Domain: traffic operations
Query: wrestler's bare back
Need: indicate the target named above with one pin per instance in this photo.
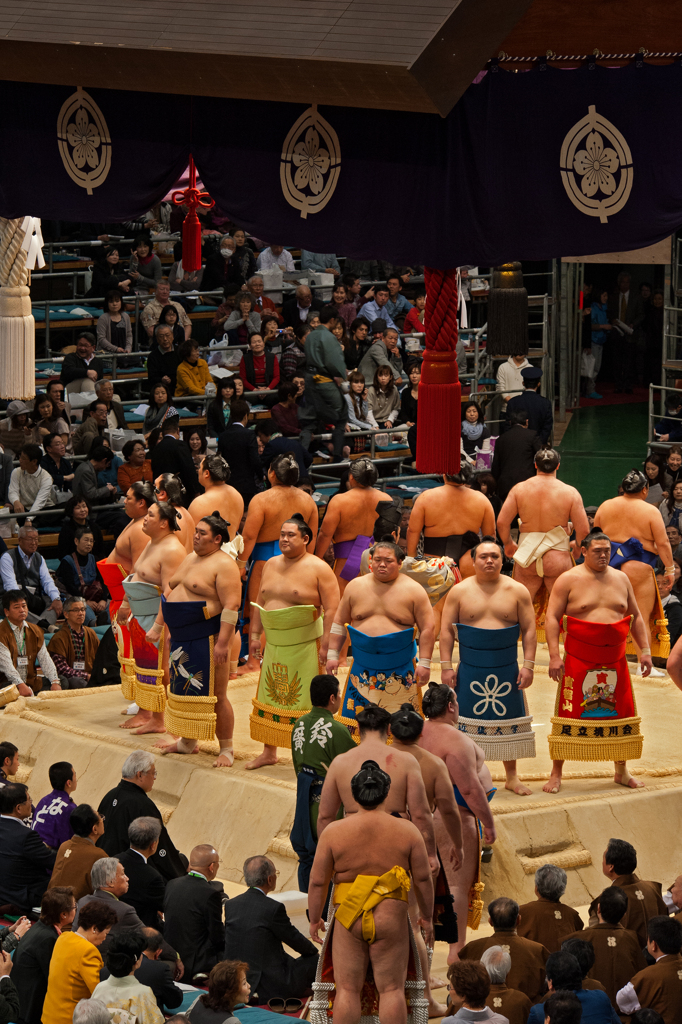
(223, 499)
(487, 605)
(451, 509)
(269, 509)
(593, 596)
(353, 514)
(159, 562)
(377, 608)
(403, 769)
(291, 581)
(394, 843)
(432, 768)
(623, 517)
(543, 502)
(456, 750)
(200, 579)
(129, 545)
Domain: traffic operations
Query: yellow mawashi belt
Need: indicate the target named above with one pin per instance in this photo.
(360, 897)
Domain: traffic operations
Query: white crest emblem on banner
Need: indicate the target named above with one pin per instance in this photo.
(310, 163)
(84, 142)
(596, 167)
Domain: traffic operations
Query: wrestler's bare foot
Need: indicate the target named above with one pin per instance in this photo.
(437, 1009)
(436, 982)
(269, 756)
(250, 666)
(623, 778)
(225, 758)
(172, 748)
(141, 718)
(516, 786)
(153, 725)
(553, 784)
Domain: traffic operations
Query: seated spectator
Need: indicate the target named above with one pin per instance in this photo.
(383, 397)
(218, 411)
(76, 962)
(21, 642)
(76, 856)
(46, 421)
(195, 439)
(31, 961)
(319, 263)
(474, 430)
(160, 407)
(9, 761)
(181, 280)
(509, 1002)
(31, 488)
(410, 396)
(242, 260)
(24, 569)
(243, 321)
(136, 465)
(91, 1011)
(469, 988)
(77, 513)
(122, 990)
(192, 909)
(116, 416)
(272, 336)
(292, 362)
(59, 468)
(155, 973)
(397, 306)
(394, 358)
(110, 884)
(357, 344)
(15, 430)
(109, 475)
(672, 606)
(74, 646)
(169, 317)
(360, 416)
(259, 369)
(583, 951)
(670, 427)
(528, 958)
(83, 365)
(262, 304)
(344, 310)
(146, 887)
(564, 974)
(298, 309)
(563, 1008)
(164, 359)
(114, 330)
(9, 997)
(255, 929)
(193, 372)
(547, 920)
(25, 861)
(108, 274)
(227, 987)
(11, 935)
(85, 484)
(658, 987)
(6, 469)
(275, 444)
(617, 953)
(644, 898)
(145, 266)
(55, 391)
(149, 317)
(52, 816)
(659, 481)
(673, 463)
(376, 308)
(414, 321)
(223, 311)
(671, 507)
(285, 412)
(92, 428)
(276, 256)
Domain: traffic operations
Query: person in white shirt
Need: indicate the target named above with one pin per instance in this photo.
(276, 256)
(19, 670)
(509, 379)
(30, 487)
(23, 568)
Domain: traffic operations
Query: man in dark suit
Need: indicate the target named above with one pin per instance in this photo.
(171, 455)
(157, 974)
(31, 961)
(256, 927)
(146, 887)
(274, 446)
(539, 409)
(239, 447)
(83, 363)
(295, 311)
(192, 910)
(626, 306)
(514, 458)
(110, 884)
(25, 862)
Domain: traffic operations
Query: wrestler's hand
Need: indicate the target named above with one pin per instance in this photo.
(423, 674)
(510, 548)
(427, 931)
(646, 665)
(332, 666)
(449, 677)
(525, 679)
(323, 651)
(489, 836)
(556, 668)
(434, 864)
(315, 928)
(456, 857)
(255, 648)
(153, 635)
(221, 653)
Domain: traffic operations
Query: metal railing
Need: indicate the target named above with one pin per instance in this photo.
(653, 416)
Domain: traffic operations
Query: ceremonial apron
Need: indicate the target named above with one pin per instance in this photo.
(290, 661)
(144, 600)
(595, 716)
(492, 709)
(190, 704)
(382, 673)
(352, 551)
(113, 575)
(262, 552)
(632, 550)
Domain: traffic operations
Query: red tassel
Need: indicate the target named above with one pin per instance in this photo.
(439, 409)
(191, 228)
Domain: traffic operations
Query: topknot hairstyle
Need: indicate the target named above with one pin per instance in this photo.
(407, 724)
(436, 698)
(370, 785)
(303, 527)
(364, 472)
(219, 526)
(634, 482)
(285, 468)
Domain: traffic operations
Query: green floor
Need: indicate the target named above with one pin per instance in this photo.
(600, 446)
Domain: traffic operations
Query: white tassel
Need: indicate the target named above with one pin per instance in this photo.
(20, 241)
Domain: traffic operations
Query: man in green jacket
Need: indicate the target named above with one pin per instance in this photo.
(325, 371)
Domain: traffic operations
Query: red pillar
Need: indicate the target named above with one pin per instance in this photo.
(439, 415)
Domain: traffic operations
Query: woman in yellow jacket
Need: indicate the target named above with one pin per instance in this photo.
(76, 963)
(193, 373)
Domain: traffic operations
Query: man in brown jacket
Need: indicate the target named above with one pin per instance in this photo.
(644, 898)
(76, 856)
(509, 1002)
(658, 987)
(617, 952)
(546, 920)
(528, 958)
(74, 646)
(21, 643)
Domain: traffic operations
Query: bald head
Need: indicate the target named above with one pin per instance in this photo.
(205, 858)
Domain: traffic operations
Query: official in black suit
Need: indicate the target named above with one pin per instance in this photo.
(31, 960)
(192, 910)
(256, 927)
(171, 455)
(157, 974)
(25, 862)
(239, 447)
(146, 887)
(302, 304)
(539, 409)
(514, 458)
(274, 446)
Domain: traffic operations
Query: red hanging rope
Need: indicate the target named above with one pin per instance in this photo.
(439, 408)
(191, 228)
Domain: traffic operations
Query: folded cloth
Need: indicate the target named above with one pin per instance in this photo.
(492, 709)
(352, 551)
(190, 703)
(113, 575)
(290, 661)
(382, 673)
(359, 898)
(595, 715)
(532, 546)
(144, 600)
